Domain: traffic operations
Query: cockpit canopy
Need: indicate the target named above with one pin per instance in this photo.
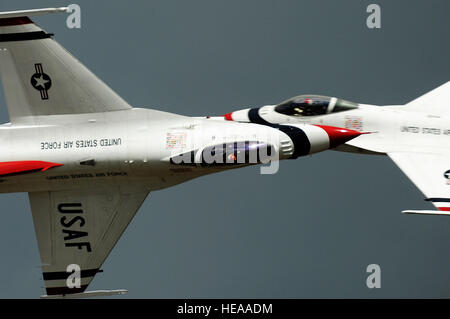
(311, 105)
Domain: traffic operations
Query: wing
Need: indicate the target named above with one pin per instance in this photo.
(41, 78)
(430, 173)
(80, 227)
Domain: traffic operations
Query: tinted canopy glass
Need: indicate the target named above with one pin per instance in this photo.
(311, 105)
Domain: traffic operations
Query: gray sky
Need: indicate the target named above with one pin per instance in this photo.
(308, 231)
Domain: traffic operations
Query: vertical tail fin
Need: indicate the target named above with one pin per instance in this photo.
(41, 78)
(436, 102)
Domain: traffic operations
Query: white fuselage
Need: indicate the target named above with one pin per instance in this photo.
(120, 147)
(392, 128)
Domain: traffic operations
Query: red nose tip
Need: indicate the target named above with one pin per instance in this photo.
(339, 135)
(228, 116)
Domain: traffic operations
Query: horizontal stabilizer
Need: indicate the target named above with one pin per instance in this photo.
(87, 294)
(426, 212)
(31, 12)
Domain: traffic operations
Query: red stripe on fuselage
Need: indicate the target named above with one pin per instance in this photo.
(444, 209)
(22, 167)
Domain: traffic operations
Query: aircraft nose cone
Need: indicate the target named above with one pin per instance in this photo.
(228, 116)
(339, 135)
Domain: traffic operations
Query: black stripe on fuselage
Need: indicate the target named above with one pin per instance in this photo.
(437, 199)
(302, 146)
(58, 275)
(65, 290)
(24, 36)
(254, 117)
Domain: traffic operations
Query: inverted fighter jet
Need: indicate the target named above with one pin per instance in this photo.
(416, 136)
(88, 159)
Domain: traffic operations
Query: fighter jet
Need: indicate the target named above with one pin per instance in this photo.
(415, 136)
(88, 159)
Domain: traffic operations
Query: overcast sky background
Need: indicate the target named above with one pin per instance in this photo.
(311, 229)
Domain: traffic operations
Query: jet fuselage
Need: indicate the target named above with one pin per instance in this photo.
(392, 128)
(128, 147)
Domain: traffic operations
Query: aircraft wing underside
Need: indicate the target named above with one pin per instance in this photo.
(80, 228)
(431, 174)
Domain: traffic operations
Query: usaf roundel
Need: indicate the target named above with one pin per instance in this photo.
(447, 174)
(41, 81)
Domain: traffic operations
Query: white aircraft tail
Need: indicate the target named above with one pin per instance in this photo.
(41, 78)
(435, 102)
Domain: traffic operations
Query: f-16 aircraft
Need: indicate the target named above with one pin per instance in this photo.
(416, 136)
(88, 159)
